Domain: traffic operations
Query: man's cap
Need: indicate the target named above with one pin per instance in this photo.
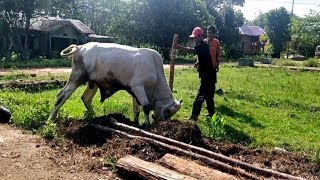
(197, 31)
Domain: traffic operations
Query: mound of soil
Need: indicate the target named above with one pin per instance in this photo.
(95, 147)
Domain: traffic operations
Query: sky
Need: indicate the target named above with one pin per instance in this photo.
(301, 8)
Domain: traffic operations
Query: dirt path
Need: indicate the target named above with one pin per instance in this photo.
(25, 156)
(62, 70)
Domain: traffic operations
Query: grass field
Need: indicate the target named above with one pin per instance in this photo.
(263, 108)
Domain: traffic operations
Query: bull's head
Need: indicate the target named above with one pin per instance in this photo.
(167, 111)
(172, 110)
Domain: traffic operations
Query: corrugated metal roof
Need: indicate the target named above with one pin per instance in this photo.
(99, 36)
(251, 30)
(48, 24)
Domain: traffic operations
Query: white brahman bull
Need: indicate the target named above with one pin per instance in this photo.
(111, 67)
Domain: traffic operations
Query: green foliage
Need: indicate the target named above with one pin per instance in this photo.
(227, 21)
(261, 20)
(50, 130)
(305, 34)
(110, 161)
(154, 22)
(263, 38)
(277, 28)
(312, 63)
(35, 63)
(268, 49)
(214, 127)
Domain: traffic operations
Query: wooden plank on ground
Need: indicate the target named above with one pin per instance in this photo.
(148, 170)
(193, 169)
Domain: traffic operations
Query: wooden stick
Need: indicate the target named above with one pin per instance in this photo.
(205, 152)
(172, 62)
(217, 164)
(148, 170)
(193, 169)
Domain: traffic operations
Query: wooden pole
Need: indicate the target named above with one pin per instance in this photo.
(205, 152)
(172, 61)
(148, 170)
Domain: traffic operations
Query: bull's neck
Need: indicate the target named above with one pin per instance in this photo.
(162, 91)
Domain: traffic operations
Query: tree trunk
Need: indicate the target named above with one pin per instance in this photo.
(148, 170)
(192, 169)
(26, 53)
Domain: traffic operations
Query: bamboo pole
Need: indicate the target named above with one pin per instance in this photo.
(172, 61)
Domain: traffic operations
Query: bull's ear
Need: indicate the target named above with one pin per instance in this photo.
(180, 102)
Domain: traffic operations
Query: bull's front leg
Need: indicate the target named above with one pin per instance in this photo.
(136, 110)
(62, 96)
(87, 97)
(140, 94)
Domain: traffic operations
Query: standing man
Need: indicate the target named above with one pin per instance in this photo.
(214, 45)
(207, 74)
(215, 49)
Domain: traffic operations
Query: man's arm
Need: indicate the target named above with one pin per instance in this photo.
(185, 49)
(218, 54)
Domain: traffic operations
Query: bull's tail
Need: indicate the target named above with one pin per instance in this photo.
(69, 50)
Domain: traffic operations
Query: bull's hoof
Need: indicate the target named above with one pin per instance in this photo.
(89, 115)
(146, 126)
(136, 123)
(5, 115)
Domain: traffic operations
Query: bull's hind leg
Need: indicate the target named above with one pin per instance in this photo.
(87, 97)
(62, 96)
(136, 109)
(144, 102)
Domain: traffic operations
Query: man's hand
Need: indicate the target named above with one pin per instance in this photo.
(196, 65)
(175, 45)
(217, 70)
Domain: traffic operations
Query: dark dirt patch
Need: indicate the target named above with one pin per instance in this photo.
(32, 86)
(95, 146)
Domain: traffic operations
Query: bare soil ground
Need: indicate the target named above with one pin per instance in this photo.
(87, 153)
(26, 156)
(61, 70)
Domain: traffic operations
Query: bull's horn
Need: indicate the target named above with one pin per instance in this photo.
(68, 51)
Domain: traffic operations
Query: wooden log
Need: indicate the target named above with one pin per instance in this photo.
(172, 62)
(147, 170)
(211, 162)
(205, 152)
(193, 169)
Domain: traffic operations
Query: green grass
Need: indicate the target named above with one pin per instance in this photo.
(311, 62)
(262, 108)
(35, 63)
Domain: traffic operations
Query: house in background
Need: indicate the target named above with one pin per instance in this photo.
(50, 35)
(249, 43)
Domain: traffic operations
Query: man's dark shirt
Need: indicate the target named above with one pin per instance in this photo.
(206, 70)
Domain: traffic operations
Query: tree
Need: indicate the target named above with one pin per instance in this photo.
(227, 21)
(261, 20)
(277, 27)
(309, 33)
(154, 22)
